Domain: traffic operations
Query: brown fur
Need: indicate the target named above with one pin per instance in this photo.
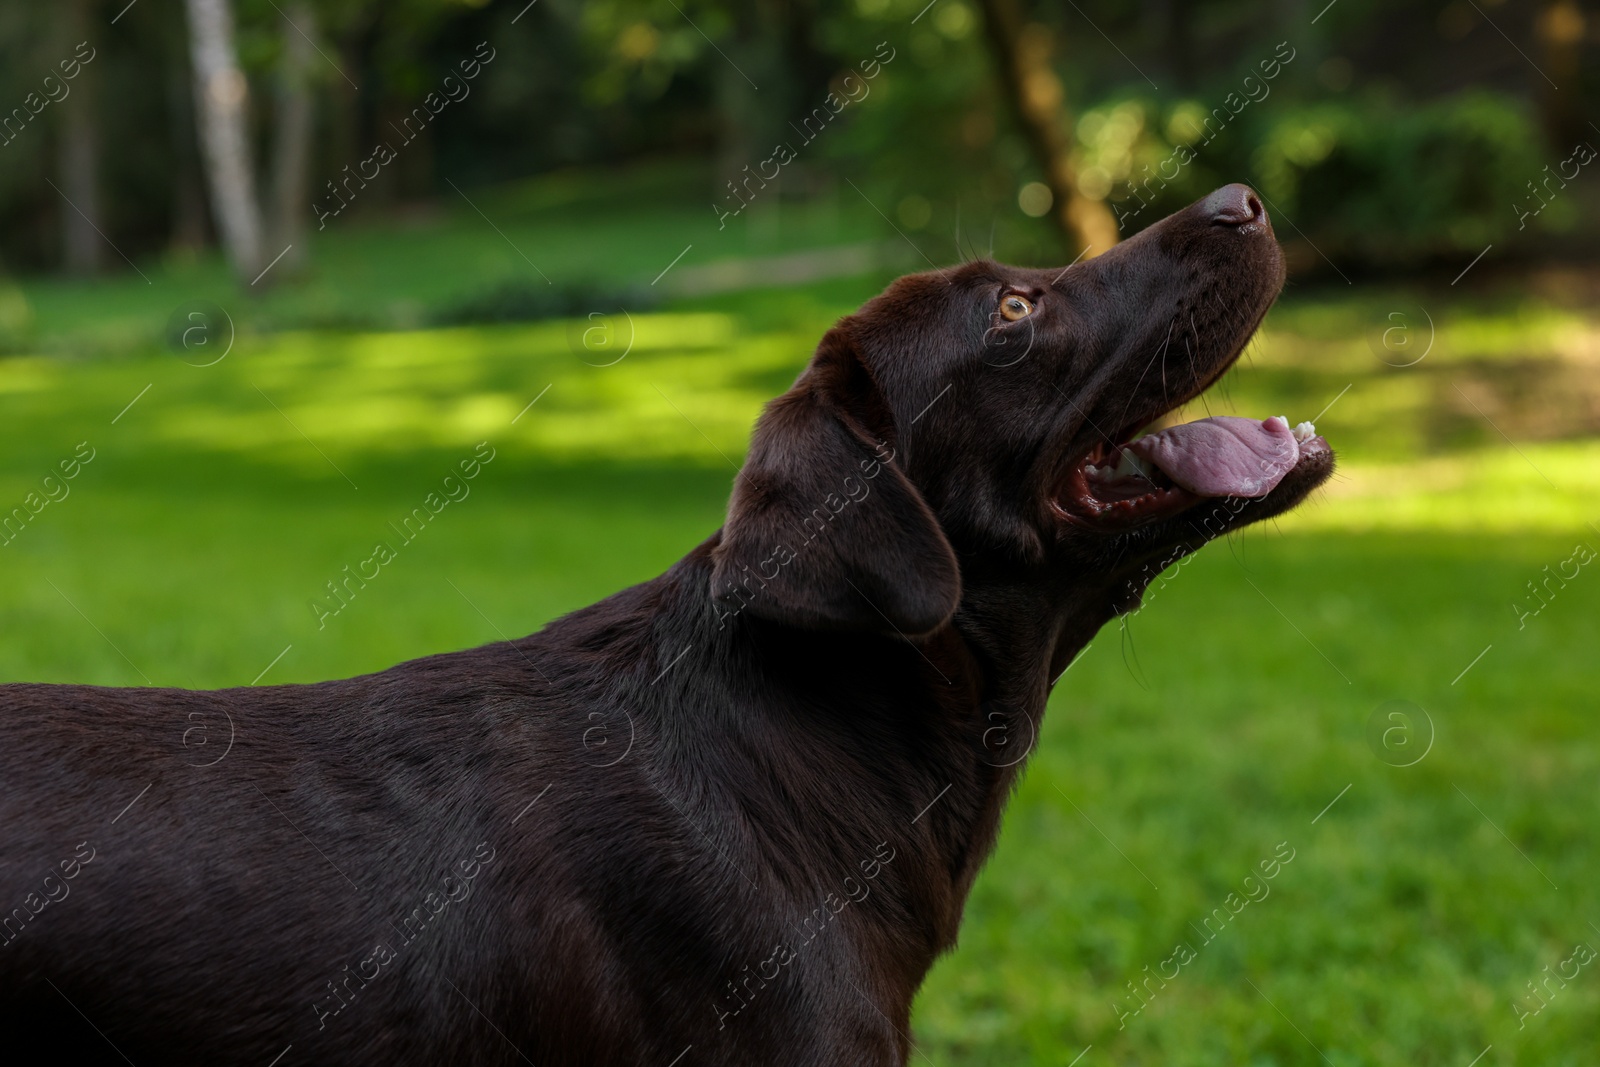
(806, 752)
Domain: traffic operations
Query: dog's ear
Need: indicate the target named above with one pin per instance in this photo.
(824, 529)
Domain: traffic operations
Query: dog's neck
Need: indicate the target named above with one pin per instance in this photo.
(950, 720)
(1019, 638)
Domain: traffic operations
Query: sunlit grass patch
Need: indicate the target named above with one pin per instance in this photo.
(1534, 487)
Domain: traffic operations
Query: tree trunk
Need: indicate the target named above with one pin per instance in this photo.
(1022, 64)
(344, 133)
(79, 161)
(746, 113)
(291, 153)
(759, 51)
(1561, 29)
(190, 226)
(221, 106)
(1179, 42)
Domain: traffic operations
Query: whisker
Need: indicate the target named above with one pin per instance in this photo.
(1135, 669)
(1132, 395)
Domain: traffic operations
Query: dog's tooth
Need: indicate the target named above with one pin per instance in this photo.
(1129, 464)
(1304, 432)
(1280, 420)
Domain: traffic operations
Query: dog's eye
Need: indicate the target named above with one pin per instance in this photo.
(1014, 307)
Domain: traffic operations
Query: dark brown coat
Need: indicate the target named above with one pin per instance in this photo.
(729, 816)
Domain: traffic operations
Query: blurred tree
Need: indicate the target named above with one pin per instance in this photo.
(750, 121)
(295, 125)
(1177, 20)
(79, 152)
(1021, 54)
(1560, 28)
(763, 59)
(373, 62)
(189, 226)
(221, 102)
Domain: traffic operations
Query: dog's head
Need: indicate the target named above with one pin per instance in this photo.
(983, 421)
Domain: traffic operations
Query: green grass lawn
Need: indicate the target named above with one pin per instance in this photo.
(1180, 752)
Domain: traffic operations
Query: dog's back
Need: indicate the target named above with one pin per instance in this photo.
(414, 866)
(221, 874)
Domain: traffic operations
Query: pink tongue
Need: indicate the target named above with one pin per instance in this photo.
(1222, 456)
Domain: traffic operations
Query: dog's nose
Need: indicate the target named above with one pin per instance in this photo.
(1234, 205)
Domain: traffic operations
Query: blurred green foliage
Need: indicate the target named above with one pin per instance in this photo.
(1378, 181)
(1398, 135)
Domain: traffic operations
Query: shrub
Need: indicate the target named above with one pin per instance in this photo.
(1370, 180)
(1390, 184)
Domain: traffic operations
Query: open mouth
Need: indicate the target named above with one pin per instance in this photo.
(1132, 480)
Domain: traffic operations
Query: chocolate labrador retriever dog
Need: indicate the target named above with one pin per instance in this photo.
(726, 817)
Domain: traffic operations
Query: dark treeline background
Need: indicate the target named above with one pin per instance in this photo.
(1394, 132)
